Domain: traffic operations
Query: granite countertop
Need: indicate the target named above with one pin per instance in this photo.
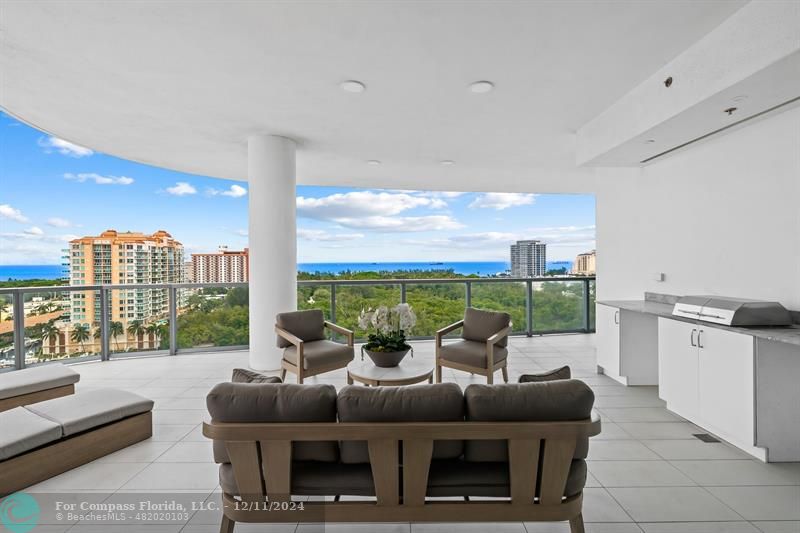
(787, 334)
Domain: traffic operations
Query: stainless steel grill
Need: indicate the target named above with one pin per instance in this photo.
(732, 311)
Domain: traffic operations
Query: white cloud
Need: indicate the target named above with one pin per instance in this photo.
(367, 210)
(401, 224)
(322, 235)
(234, 191)
(58, 222)
(6, 211)
(63, 147)
(502, 200)
(181, 188)
(241, 232)
(98, 178)
(34, 230)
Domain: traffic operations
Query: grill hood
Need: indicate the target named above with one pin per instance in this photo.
(732, 311)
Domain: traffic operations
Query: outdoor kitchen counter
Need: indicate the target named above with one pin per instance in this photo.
(785, 334)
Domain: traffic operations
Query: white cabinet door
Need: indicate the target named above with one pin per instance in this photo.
(677, 366)
(607, 339)
(726, 384)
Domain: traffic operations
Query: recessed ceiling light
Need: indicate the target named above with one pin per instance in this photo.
(373, 162)
(447, 162)
(740, 98)
(481, 86)
(353, 86)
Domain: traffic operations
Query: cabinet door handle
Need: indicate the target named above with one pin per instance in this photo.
(691, 337)
(699, 344)
(616, 317)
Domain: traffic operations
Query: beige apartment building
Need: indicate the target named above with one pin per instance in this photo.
(224, 266)
(585, 264)
(121, 258)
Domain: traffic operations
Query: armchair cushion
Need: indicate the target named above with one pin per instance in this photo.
(306, 325)
(442, 402)
(243, 375)
(550, 401)
(470, 353)
(276, 402)
(559, 373)
(479, 325)
(322, 353)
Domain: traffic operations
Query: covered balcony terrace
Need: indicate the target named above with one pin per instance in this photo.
(681, 118)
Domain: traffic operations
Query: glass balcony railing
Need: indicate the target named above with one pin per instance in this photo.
(41, 324)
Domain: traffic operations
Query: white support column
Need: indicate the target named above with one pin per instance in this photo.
(273, 242)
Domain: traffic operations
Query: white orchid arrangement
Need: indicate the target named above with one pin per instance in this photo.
(389, 327)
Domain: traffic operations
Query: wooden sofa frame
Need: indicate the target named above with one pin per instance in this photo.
(261, 457)
(65, 454)
(299, 369)
(35, 397)
(491, 366)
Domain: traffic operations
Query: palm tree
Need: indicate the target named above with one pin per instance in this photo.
(80, 334)
(116, 329)
(153, 332)
(49, 333)
(137, 329)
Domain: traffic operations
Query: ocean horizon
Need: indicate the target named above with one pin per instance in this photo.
(480, 268)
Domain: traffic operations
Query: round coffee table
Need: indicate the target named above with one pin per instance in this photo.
(408, 372)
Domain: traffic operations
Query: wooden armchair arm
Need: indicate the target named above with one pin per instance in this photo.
(342, 331)
(447, 329)
(497, 337)
(297, 341)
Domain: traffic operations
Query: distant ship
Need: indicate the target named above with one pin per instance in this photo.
(435, 263)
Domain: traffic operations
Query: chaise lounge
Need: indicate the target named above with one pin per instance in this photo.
(401, 450)
(36, 384)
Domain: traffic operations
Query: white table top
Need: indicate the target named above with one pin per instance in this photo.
(408, 369)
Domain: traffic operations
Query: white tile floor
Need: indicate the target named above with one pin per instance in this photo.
(647, 472)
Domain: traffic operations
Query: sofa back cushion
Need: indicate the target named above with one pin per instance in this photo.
(306, 325)
(550, 401)
(420, 403)
(276, 402)
(479, 325)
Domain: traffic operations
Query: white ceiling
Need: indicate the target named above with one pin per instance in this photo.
(182, 85)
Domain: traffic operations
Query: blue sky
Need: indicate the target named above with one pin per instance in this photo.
(52, 191)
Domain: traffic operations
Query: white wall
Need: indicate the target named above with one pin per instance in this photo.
(720, 217)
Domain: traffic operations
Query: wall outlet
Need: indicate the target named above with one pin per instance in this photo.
(658, 276)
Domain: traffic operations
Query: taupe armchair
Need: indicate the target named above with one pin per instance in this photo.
(482, 349)
(306, 350)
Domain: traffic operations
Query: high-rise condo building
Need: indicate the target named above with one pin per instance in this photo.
(224, 266)
(528, 259)
(121, 259)
(585, 264)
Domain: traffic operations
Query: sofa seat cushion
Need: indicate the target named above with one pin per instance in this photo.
(276, 402)
(479, 325)
(311, 478)
(559, 373)
(442, 402)
(319, 354)
(36, 379)
(460, 478)
(23, 431)
(470, 353)
(306, 325)
(91, 409)
(549, 401)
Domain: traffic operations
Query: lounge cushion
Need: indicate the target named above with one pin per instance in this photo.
(36, 379)
(443, 402)
(306, 325)
(319, 354)
(23, 430)
(479, 325)
(471, 353)
(460, 478)
(276, 402)
(91, 409)
(568, 399)
(315, 479)
(243, 375)
(559, 373)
